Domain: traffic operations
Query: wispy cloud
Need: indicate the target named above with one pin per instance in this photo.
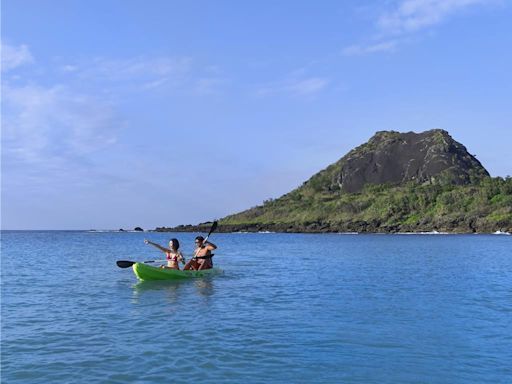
(139, 68)
(295, 84)
(54, 125)
(395, 26)
(383, 46)
(308, 86)
(414, 15)
(44, 125)
(14, 56)
(208, 85)
(50, 124)
(146, 73)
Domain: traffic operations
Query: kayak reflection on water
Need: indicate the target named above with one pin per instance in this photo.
(202, 255)
(174, 291)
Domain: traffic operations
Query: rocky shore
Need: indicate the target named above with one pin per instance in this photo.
(455, 227)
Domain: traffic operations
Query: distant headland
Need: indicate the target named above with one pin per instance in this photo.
(395, 182)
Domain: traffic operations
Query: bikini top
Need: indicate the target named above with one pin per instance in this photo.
(173, 256)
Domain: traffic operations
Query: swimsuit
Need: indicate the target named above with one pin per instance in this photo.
(172, 257)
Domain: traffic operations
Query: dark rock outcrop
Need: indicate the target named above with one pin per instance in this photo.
(393, 158)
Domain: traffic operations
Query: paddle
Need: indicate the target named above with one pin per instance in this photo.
(213, 228)
(128, 263)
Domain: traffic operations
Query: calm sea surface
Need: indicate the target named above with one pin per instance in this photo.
(288, 309)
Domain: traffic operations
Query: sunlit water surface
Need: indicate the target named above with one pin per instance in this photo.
(288, 309)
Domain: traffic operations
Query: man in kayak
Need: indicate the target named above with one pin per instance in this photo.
(202, 255)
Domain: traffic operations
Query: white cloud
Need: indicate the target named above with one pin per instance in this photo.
(69, 68)
(308, 86)
(43, 125)
(407, 18)
(141, 67)
(383, 46)
(51, 134)
(133, 74)
(152, 84)
(13, 57)
(413, 15)
(296, 86)
(180, 73)
(56, 131)
(207, 85)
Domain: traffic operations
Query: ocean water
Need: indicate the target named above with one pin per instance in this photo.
(289, 308)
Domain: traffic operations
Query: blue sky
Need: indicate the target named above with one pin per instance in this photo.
(118, 114)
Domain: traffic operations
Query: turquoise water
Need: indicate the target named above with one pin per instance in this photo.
(288, 309)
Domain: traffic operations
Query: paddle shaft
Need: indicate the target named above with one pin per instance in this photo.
(128, 263)
(213, 228)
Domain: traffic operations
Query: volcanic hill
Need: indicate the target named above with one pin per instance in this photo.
(395, 182)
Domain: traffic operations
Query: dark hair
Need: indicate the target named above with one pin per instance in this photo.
(200, 238)
(176, 243)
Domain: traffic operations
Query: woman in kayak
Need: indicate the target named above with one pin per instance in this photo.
(202, 255)
(173, 254)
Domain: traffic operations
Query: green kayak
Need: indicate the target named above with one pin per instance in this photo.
(146, 272)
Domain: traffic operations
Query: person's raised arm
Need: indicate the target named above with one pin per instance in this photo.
(156, 246)
(210, 246)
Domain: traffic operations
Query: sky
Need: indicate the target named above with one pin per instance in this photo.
(117, 114)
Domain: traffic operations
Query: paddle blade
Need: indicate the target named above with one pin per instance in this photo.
(213, 228)
(124, 263)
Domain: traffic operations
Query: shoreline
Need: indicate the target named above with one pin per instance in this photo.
(198, 230)
(346, 230)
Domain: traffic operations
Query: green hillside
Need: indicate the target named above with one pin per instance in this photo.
(394, 182)
(485, 206)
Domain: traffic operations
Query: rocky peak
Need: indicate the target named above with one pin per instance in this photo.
(391, 157)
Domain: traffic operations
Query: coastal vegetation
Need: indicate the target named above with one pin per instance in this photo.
(483, 206)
